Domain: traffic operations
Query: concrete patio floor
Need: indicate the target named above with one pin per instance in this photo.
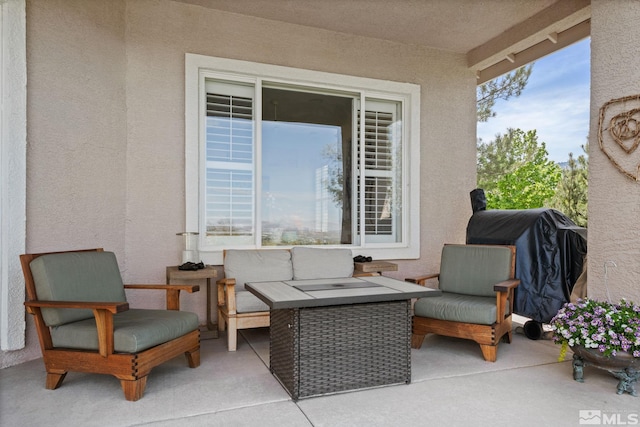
(451, 386)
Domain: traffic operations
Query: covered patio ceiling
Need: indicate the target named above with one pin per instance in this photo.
(496, 36)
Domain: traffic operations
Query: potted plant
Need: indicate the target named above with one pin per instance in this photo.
(602, 334)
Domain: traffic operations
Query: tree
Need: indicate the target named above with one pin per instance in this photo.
(571, 195)
(511, 84)
(515, 172)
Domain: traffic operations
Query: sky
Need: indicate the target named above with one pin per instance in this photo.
(555, 103)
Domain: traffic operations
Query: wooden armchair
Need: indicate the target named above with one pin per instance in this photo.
(477, 284)
(85, 325)
(240, 309)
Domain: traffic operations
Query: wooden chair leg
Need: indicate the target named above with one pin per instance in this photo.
(133, 390)
(54, 379)
(489, 352)
(232, 335)
(193, 358)
(416, 340)
(221, 323)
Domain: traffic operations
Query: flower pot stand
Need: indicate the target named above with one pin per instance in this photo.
(623, 366)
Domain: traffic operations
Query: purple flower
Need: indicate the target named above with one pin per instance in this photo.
(611, 328)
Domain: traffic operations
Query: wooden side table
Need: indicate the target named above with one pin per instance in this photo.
(209, 272)
(374, 267)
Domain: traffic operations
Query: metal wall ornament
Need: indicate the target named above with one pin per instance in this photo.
(619, 134)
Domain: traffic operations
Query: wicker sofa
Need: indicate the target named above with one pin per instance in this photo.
(240, 309)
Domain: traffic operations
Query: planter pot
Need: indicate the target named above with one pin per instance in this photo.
(623, 366)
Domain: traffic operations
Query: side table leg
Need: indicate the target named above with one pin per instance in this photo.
(212, 327)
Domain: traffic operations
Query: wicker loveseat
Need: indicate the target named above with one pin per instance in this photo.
(240, 309)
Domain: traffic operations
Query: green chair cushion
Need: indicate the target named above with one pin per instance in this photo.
(133, 330)
(458, 308)
(76, 276)
(473, 270)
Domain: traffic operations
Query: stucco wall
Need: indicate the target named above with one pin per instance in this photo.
(77, 141)
(614, 200)
(106, 125)
(159, 34)
(76, 132)
(13, 158)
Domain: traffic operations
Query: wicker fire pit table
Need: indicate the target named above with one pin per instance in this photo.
(333, 335)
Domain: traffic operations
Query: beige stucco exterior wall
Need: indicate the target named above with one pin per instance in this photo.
(76, 132)
(159, 34)
(76, 114)
(614, 200)
(156, 42)
(106, 125)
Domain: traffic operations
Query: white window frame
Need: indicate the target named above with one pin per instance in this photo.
(199, 66)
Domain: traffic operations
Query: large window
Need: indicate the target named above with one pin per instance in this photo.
(278, 157)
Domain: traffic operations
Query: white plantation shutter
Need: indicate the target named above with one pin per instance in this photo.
(229, 199)
(380, 177)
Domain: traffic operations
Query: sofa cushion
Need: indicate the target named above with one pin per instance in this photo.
(133, 330)
(458, 308)
(321, 263)
(76, 276)
(246, 302)
(474, 269)
(257, 265)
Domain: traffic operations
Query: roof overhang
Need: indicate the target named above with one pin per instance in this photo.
(552, 29)
(497, 36)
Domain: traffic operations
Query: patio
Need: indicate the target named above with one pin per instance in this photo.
(451, 385)
(92, 183)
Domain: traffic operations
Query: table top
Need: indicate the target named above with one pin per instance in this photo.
(325, 292)
(208, 272)
(375, 266)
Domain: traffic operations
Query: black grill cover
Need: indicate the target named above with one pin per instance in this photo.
(550, 252)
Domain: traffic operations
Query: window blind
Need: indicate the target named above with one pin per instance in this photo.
(378, 171)
(229, 153)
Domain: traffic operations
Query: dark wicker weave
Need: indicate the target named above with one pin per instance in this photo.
(320, 350)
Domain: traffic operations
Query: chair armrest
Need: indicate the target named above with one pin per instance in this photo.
(112, 307)
(422, 280)
(172, 292)
(504, 295)
(506, 285)
(227, 294)
(102, 311)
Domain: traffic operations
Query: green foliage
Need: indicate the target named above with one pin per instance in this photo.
(514, 169)
(515, 172)
(511, 84)
(571, 195)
